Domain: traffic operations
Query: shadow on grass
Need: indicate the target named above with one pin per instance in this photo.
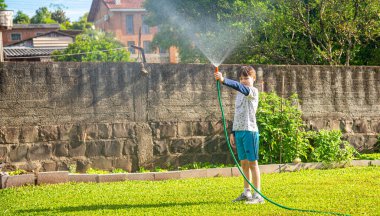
(111, 207)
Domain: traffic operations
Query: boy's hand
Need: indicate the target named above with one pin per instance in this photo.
(232, 142)
(219, 76)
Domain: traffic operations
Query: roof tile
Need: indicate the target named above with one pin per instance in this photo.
(26, 51)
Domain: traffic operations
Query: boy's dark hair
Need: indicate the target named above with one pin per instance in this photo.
(247, 71)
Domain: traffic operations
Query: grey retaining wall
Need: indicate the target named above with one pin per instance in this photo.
(107, 115)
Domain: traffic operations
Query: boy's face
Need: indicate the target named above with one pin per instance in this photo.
(246, 80)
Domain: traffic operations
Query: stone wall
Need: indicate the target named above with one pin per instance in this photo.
(108, 115)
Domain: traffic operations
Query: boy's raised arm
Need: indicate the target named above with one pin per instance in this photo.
(237, 86)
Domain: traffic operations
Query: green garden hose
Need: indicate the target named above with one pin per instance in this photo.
(246, 179)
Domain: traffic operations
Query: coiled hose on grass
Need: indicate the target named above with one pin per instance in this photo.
(245, 177)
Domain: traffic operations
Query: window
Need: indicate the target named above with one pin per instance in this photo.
(16, 36)
(129, 23)
(145, 27)
(147, 48)
(131, 50)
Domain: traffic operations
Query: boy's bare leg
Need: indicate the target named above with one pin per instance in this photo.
(246, 195)
(257, 198)
(246, 170)
(254, 167)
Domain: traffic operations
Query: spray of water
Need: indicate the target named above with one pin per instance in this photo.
(215, 39)
(215, 43)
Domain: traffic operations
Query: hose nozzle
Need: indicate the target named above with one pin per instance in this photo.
(216, 69)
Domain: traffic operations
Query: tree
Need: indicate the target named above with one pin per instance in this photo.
(182, 22)
(3, 6)
(66, 25)
(369, 54)
(59, 16)
(335, 30)
(43, 16)
(93, 46)
(21, 18)
(82, 23)
(331, 32)
(310, 31)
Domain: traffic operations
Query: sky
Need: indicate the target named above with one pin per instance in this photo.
(73, 8)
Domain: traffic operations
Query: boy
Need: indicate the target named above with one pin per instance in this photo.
(245, 136)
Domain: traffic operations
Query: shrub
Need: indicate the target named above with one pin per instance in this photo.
(143, 170)
(72, 168)
(205, 165)
(96, 171)
(282, 136)
(119, 171)
(17, 172)
(159, 169)
(99, 171)
(328, 147)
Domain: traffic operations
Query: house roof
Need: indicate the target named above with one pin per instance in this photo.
(11, 52)
(68, 33)
(34, 26)
(125, 5)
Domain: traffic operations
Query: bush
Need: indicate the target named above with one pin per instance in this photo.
(200, 165)
(17, 172)
(143, 170)
(281, 129)
(96, 171)
(159, 169)
(328, 147)
(283, 136)
(118, 170)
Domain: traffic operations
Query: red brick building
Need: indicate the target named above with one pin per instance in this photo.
(125, 19)
(40, 48)
(20, 32)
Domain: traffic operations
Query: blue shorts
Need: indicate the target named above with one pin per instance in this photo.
(247, 145)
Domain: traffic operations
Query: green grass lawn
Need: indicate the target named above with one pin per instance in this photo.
(352, 190)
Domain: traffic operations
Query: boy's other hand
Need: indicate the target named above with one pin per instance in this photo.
(232, 142)
(219, 76)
